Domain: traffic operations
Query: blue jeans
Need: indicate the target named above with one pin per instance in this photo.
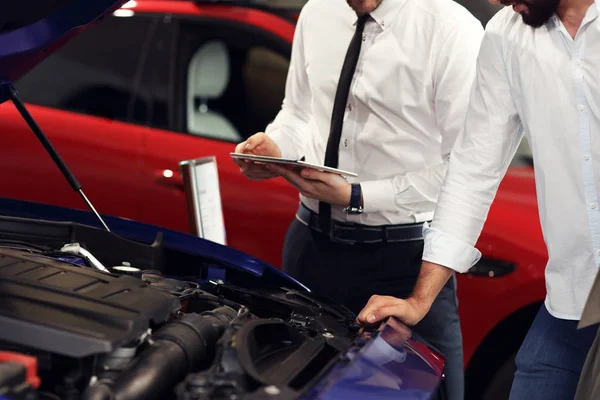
(551, 358)
(441, 329)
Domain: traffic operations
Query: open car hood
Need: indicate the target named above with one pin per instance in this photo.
(30, 30)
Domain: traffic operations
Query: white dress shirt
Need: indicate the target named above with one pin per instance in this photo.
(407, 100)
(547, 85)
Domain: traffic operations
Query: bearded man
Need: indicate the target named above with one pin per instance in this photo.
(538, 74)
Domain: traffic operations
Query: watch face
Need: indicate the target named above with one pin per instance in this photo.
(353, 210)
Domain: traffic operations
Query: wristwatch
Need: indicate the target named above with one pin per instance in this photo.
(355, 206)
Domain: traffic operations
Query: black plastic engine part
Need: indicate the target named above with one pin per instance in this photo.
(106, 246)
(292, 360)
(177, 349)
(304, 310)
(50, 305)
(13, 382)
(11, 374)
(264, 358)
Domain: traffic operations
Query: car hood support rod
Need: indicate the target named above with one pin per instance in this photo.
(13, 94)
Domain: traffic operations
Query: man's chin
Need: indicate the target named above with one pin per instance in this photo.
(538, 14)
(362, 7)
(359, 10)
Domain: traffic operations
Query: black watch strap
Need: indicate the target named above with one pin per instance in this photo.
(355, 197)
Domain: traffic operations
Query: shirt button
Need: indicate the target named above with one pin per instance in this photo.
(345, 142)
(349, 106)
(586, 156)
(593, 206)
(581, 107)
(578, 62)
(364, 37)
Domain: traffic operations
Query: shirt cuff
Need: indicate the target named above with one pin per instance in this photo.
(448, 251)
(284, 142)
(378, 195)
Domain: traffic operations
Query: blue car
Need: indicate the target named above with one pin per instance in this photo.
(100, 308)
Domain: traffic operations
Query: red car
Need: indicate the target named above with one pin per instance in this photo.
(164, 81)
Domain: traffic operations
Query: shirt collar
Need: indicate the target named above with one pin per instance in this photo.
(592, 13)
(595, 11)
(555, 22)
(385, 13)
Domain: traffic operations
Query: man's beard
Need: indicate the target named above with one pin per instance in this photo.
(539, 11)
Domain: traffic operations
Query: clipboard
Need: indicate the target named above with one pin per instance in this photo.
(288, 161)
(203, 198)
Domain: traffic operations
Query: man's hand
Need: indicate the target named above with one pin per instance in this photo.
(411, 311)
(323, 186)
(258, 144)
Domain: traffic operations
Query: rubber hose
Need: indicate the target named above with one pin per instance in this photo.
(100, 391)
(178, 348)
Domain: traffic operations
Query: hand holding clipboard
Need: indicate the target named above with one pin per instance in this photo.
(318, 182)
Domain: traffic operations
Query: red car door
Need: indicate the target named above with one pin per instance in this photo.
(83, 102)
(219, 98)
(103, 155)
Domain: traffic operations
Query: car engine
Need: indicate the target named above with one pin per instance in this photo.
(77, 325)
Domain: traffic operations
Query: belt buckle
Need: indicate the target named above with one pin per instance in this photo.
(386, 235)
(335, 239)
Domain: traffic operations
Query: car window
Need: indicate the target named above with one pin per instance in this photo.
(523, 156)
(95, 73)
(154, 87)
(265, 73)
(234, 80)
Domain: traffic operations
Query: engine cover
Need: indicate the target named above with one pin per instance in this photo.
(51, 305)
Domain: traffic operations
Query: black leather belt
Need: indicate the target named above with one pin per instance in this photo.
(351, 233)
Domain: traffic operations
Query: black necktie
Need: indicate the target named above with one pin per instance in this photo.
(339, 107)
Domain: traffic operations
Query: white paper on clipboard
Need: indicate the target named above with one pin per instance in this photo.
(203, 194)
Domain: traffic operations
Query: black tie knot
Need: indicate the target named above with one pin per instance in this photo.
(360, 22)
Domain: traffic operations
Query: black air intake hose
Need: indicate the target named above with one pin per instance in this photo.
(178, 348)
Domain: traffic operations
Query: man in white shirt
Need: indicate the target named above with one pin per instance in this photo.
(391, 115)
(538, 73)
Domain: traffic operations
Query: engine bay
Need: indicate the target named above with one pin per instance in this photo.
(88, 315)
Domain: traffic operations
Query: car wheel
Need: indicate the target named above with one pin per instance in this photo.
(499, 386)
